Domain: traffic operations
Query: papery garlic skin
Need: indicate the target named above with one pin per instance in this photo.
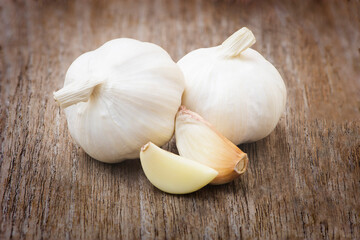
(197, 139)
(234, 88)
(121, 96)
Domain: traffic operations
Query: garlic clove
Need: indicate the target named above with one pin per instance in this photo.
(197, 139)
(172, 173)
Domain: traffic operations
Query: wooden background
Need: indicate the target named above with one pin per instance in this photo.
(303, 180)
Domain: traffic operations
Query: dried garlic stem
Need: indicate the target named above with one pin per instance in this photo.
(238, 42)
(75, 92)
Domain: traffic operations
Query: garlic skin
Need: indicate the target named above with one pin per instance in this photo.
(197, 139)
(121, 96)
(234, 88)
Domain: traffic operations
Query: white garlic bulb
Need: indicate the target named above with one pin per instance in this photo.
(121, 96)
(234, 88)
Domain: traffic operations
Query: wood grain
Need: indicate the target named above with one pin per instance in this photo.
(303, 180)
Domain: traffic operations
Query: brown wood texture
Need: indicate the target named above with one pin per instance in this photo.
(303, 180)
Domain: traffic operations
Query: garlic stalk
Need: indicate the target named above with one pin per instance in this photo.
(234, 88)
(172, 173)
(121, 96)
(198, 140)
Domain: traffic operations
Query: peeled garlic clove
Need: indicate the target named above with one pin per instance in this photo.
(234, 88)
(121, 96)
(172, 173)
(199, 140)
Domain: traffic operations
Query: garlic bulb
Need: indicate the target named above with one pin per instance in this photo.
(121, 96)
(198, 140)
(234, 88)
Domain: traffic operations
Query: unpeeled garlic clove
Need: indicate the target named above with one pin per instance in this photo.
(197, 139)
(172, 173)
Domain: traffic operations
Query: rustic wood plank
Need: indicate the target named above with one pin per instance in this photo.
(303, 180)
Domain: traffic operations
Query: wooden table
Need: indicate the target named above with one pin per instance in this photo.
(303, 180)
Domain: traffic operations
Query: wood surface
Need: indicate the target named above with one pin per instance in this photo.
(303, 181)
